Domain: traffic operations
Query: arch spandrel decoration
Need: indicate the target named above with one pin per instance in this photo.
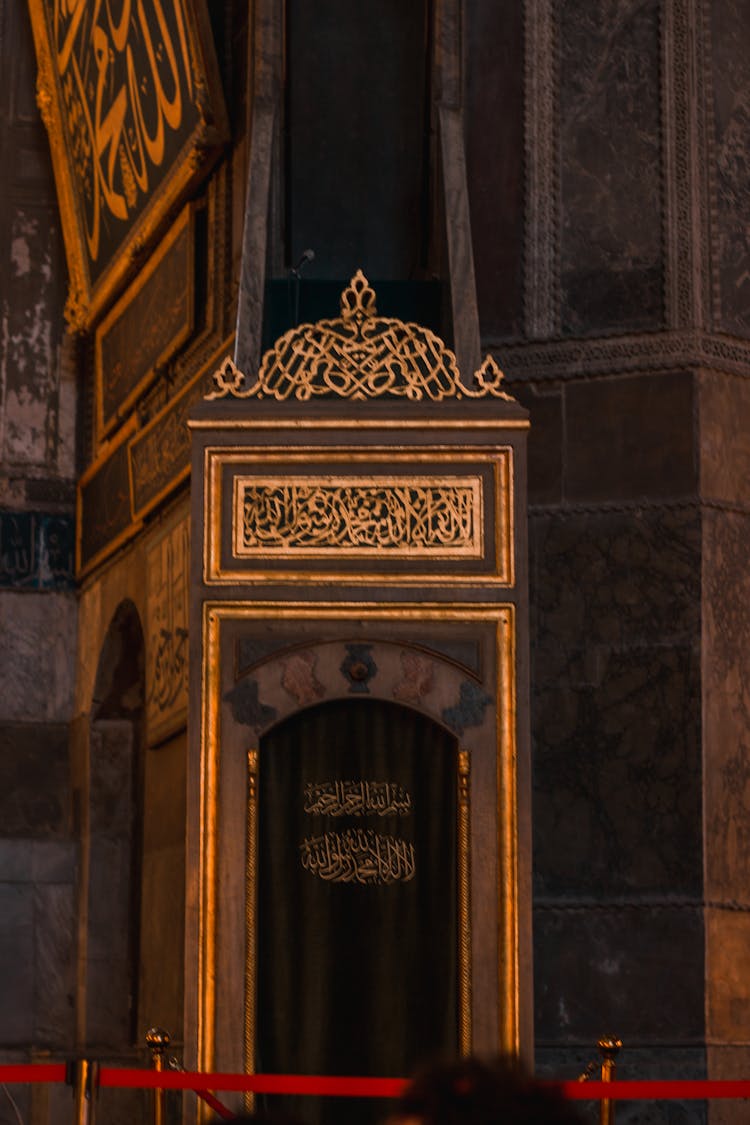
(360, 355)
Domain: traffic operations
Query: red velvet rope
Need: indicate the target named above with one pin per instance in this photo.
(651, 1090)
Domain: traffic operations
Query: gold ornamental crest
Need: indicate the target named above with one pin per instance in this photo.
(359, 355)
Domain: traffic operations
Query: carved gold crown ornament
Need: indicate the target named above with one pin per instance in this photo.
(360, 355)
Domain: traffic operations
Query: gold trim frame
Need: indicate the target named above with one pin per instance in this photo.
(501, 617)
(497, 460)
(180, 330)
(135, 116)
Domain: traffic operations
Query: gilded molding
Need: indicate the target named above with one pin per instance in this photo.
(502, 618)
(491, 483)
(464, 902)
(251, 918)
(359, 356)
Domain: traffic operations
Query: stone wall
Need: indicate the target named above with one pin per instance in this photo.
(38, 612)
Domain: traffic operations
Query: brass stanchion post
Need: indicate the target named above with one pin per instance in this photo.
(158, 1040)
(609, 1047)
(87, 1074)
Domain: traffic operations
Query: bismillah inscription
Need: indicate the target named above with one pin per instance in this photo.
(356, 798)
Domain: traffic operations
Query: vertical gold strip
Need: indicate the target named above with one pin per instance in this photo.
(509, 1030)
(209, 853)
(464, 906)
(251, 884)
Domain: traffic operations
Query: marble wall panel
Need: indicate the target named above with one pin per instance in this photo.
(610, 182)
(617, 778)
(615, 626)
(630, 437)
(636, 971)
(16, 965)
(494, 167)
(726, 703)
(724, 438)
(727, 976)
(545, 448)
(730, 34)
(37, 656)
(54, 962)
(35, 791)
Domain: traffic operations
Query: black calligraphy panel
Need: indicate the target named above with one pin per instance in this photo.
(357, 958)
(132, 102)
(103, 506)
(149, 323)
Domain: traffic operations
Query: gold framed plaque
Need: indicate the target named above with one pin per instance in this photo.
(131, 98)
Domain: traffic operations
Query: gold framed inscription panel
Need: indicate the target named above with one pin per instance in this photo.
(146, 327)
(444, 515)
(135, 114)
(303, 664)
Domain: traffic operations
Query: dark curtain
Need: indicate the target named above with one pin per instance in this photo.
(357, 899)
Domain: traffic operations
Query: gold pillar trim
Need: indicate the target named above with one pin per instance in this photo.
(464, 903)
(251, 918)
(359, 355)
(502, 616)
(507, 805)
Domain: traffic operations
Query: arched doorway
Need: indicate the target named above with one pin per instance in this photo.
(111, 834)
(357, 895)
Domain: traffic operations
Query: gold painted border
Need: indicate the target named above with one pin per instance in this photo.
(86, 299)
(464, 902)
(385, 480)
(251, 917)
(343, 424)
(503, 617)
(216, 457)
(185, 221)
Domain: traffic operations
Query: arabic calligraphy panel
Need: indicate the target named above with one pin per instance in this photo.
(358, 516)
(132, 103)
(147, 325)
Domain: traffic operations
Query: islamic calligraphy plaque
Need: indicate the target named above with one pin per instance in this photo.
(147, 325)
(357, 516)
(358, 855)
(131, 99)
(167, 568)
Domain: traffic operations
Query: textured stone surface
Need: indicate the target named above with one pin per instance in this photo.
(16, 966)
(726, 702)
(37, 656)
(629, 437)
(615, 619)
(730, 33)
(610, 237)
(545, 450)
(35, 795)
(724, 438)
(633, 1062)
(635, 971)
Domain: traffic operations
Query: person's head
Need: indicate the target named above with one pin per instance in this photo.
(472, 1092)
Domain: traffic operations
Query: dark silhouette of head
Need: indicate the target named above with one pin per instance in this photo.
(470, 1091)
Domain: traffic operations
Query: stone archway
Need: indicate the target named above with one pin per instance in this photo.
(111, 832)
